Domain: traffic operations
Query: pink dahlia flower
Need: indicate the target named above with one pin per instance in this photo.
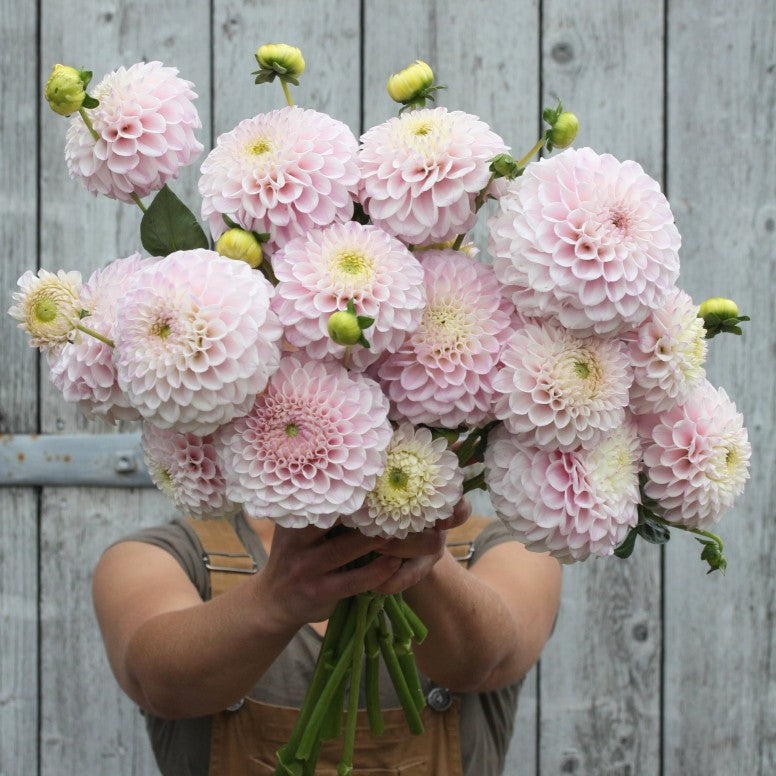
(185, 469)
(312, 446)
(667, 352)
(282, 173)
(320, 272)
(559, 391)
(572, 504)
(84, 370)
(591, 238)
(145, 122)
(421, 483)
(196, 341)
(443, 373)
(698, 459)
(422, 171)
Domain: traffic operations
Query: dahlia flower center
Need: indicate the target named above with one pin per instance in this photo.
(580, 373)
(45, 310)
(582, 369)
(292, 430)
(161, 328)
(352, 263)
(732, 457)
(259, 147)
(398, 478)
(403, 480)
(449, 324)
(423, 128)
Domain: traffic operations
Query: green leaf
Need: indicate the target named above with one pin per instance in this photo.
(168, 226)
(364, 342)
(626, 548)
(262, 237)
(85, 76)
(364, 321)
(734, 330)
(228, 221)
(90, 102)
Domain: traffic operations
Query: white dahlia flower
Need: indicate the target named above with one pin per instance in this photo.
(145, 124)
(667, 352)
(592, 239)
(557, 390)
(196, 340)
(423, 170)
(320, 272)
(697, 460)
(421, 483)
(282, 173)
(185, 468)
(572, 504)
(312, 446)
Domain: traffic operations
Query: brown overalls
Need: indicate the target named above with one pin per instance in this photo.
(244, 740)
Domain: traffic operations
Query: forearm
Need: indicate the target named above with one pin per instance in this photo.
(473, 635)
(196, 661)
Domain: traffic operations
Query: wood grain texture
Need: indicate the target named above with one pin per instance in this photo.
(600, 674)
(474, 51)
(87, 725)
(18, 393)
(720, 652)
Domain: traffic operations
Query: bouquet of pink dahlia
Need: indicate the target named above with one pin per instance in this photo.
(341, 359)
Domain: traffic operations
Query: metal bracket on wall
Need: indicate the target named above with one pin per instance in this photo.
(77, 460)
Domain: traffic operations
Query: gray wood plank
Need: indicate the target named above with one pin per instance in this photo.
(18, 394)
(84, 232)
(720, 686)
(488, 76)
(600, 675)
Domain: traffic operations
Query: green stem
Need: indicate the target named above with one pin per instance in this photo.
(138, 202)
(459, 241)
(689, 529)
(419, 630)
(465, 451)
(474, 483)
(88, 122)
(287, 93)
(402, 638)
(401, 628)
(372, 683)
(479, 200)
(345, 766)
(346, 357)
(332, 724)
(406, 698)
(95, 334)
(535, 150)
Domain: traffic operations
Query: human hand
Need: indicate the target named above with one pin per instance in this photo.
(419, 552)
(303, 579)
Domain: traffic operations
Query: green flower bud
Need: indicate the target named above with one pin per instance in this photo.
(65, 90)
(411, 84)
(281, 58)
(239, 244)
(719, 306)
(564, 130)
(344, 328)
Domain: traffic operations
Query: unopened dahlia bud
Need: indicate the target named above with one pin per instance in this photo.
(718, 306)
(65, 90)
(280, 59)
(344, 328)
(240, 244)
(564, 130)
(411, 83)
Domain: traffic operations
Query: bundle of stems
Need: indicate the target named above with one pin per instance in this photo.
(361, 630)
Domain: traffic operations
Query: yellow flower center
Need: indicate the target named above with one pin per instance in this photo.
(292, 430)
(260, 147)
(422, 128)
(582, 369)
(352, 263)
(161, 329)
(732, 457)
(45, 310)
(398, 478)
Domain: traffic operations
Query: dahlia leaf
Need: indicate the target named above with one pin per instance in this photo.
(90, 102)
(652, 531)
(169, 226)
(364, 321)
(625, 550)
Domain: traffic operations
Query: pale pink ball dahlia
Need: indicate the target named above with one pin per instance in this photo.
(421, 483)
(282, 173)
(311, 447)
(667, 352)
(422, 171)
(572, 504)
(320, 272)
(84, 370)
(698, 460)
(145, 122)
(443, 373)
(591, 238)
(559, 391)
(185, 468)
(196, 340)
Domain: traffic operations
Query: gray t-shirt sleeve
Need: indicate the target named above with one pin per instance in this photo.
(178, 539)
(495, 533)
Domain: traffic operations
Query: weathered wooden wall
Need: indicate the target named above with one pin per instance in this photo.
(653, 668)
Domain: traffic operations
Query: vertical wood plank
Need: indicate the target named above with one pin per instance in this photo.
(88, 726)
(720, 687)
(600, 679)
(328, 35)
(471, 46)
(18, 393)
